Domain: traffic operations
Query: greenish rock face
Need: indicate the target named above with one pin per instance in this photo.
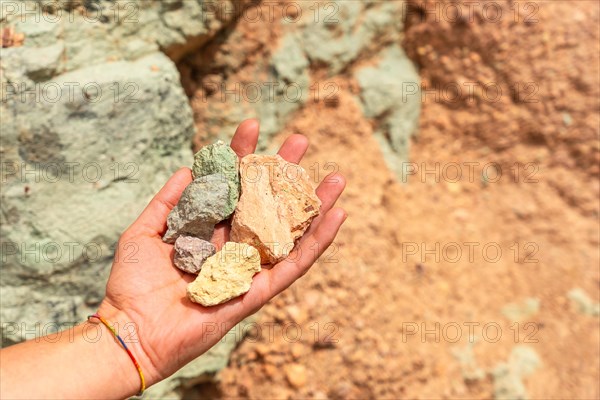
(92, 167)
(200, 208)
(390, 93)
(219, 158)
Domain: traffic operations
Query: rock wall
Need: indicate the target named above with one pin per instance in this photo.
(269, 71)
(95, 119)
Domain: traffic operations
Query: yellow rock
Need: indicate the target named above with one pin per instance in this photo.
(225, 275)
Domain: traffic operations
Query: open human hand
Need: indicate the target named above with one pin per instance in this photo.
(146, 292)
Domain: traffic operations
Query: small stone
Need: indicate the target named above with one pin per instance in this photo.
(297, 350)
(191, 252)
(583, 302)
(225, 275)
(275, 359)
(297, 314)
(277, 204)
(318, 395)
(261, 349)
(342, 390)
(270, 370)
(296, 375)
(200, 208)
(219, 158)
(454, 187)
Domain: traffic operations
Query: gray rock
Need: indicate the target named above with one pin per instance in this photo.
(202, 205)
(191, 252)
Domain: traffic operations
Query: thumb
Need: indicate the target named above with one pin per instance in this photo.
(153, 220)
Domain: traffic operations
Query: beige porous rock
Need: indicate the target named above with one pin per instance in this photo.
(225, 275)
(277, 204)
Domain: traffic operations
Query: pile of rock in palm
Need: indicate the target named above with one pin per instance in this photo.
(272, 203)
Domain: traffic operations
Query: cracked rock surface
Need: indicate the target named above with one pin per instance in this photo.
(225, 275)
(277, 204)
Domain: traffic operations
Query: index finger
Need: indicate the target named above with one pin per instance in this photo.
(154, 216)
(245, 138)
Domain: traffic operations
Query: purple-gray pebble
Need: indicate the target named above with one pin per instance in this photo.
(191, 252)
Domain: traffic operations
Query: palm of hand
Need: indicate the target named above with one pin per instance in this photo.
(148, 292)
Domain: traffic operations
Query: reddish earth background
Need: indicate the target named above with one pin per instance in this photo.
(542, 132)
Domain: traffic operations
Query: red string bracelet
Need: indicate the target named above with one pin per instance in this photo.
(116, 335)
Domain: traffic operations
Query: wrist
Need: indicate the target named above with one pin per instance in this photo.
(128, 330)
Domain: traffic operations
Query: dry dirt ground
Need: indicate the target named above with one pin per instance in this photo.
(358, 308)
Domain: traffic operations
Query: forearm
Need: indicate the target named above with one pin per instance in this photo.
(84, 362)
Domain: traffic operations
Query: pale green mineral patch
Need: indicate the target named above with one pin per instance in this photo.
(521, 311)
(583, 302)
(219, 158)
(468, 365)
(508, 376)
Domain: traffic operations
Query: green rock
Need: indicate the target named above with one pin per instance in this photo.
(219, 158)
